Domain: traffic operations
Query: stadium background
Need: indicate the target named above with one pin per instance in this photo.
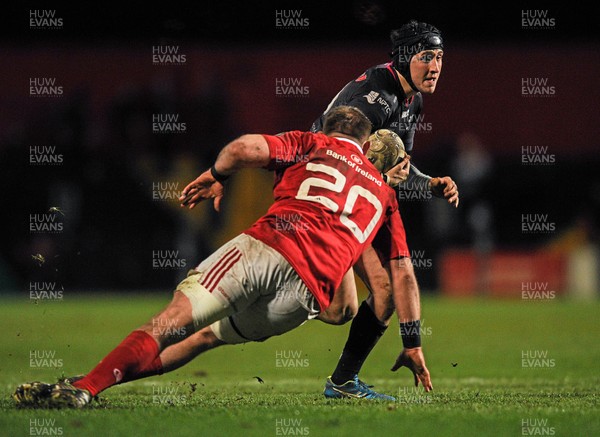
(117, 178)
(113, 246)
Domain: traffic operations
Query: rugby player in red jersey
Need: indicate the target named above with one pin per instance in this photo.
(271, 278)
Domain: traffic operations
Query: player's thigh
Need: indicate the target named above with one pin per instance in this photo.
(281, 308)
(226, 282)
(344, 305)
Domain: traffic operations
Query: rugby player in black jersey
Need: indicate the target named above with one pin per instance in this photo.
(391, 96)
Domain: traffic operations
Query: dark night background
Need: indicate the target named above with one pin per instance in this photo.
(252, 22)
(234, 54)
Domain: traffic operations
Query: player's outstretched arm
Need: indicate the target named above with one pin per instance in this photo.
(244, 152)
(445, 187)
(408, 309)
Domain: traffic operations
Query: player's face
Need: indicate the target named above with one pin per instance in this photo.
(425, 69)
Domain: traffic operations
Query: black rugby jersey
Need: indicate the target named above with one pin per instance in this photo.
(379, 94)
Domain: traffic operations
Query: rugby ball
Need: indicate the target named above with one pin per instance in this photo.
(386, 149)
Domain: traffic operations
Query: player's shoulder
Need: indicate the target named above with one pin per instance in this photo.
(297, 139)
(379, 76)
(298, 134)
(313, 140)
(316, 137)
(379, 72)
(379, 83)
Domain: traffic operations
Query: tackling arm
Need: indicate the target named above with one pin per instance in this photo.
(244, 152)
(405, 290)
(408, 309)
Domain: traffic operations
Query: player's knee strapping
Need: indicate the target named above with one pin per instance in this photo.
(206, 308)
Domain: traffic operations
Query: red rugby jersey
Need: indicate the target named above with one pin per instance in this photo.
(330, 203)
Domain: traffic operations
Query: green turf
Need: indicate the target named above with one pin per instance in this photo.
(487, 391)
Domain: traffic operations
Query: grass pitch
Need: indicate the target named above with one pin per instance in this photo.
(498, 368)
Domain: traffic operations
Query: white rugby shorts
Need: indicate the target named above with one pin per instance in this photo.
(247, 291)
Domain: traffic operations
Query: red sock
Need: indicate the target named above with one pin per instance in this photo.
(155, 368)
(137, 353)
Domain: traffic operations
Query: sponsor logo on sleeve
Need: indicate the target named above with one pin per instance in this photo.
(374, 97)
(371, 97)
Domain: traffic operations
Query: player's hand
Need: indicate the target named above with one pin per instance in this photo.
(203, 187)
(445, 187)
(413, 359)
(399, 173)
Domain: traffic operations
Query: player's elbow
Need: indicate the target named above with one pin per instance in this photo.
(250, 149)
(239, 148)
